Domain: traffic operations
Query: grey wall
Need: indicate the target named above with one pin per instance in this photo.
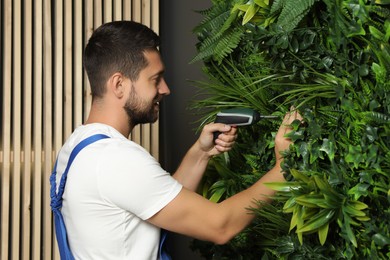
(178, 18)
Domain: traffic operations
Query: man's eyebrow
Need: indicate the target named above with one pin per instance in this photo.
(158, 74)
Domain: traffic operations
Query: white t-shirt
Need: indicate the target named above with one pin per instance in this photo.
(113, 186)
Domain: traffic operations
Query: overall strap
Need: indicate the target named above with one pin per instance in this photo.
(56, 198)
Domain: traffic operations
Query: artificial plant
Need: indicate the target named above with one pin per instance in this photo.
(330, 59)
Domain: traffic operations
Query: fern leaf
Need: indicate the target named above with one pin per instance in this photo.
(376, 117)
(381, 11)
(293, 12)
(213, 22)
(228, 43)
(277, 6)
(219, 47)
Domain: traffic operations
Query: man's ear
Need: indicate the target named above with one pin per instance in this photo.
(116, 84)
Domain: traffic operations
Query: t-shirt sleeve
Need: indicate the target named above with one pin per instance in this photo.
(133, 180)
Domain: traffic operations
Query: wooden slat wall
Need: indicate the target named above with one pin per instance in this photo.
(45, 94)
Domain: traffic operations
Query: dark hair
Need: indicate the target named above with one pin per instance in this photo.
(117, 47)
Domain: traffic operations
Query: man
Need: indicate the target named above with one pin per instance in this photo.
(117, 196)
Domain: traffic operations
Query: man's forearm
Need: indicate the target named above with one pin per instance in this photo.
(192, 167)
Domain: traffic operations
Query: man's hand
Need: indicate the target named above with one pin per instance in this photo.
(281, 142)
(223, 143)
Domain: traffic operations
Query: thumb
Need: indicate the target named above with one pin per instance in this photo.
(218, 127)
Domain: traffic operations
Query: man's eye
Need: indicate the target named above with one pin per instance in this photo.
(157, 80)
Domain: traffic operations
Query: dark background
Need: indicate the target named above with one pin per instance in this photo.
(177, 121)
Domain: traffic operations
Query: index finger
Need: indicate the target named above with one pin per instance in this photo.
(285, 127)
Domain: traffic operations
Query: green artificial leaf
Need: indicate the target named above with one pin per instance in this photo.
(315, 153)
(354, 155)
(322, 218)
(322, 184)
(282, 42)
(358, 205)
(329, 148)
(300, 176)
(376, 33)
(353, 212)
(296, 217)
(381, 240)
(372, 133)
(303, 151)
(323, 233)
(217, 194)
(295, 135)
(360, 189)
(250, 13)
(262, 3)
(282, 186)
(313, 201)
(364, 70)
(289, 205)
(346, 226)
(382, 2)
(356, 28)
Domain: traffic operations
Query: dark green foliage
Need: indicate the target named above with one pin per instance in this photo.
(331, 60)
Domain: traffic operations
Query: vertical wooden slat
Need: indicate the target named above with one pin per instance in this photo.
(58, 66)
(117, 10)
(27, 114)
(6, 130)
(154, 23)
(58, 73)
(146, 128)
(97, 13)
(145, 12)
(77, 62)
(107, 11)
(136, 134)
(37, 139)
(88, 29)
(155, 8)
(16, 129)
(47, 130)
(127, 9)
(136, 15)
(68, 50)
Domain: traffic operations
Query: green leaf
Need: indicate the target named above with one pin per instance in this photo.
(348, 230)
(329, 148)
(262, 3)
(252, 10)
(323, 233)
(322, 218)
(296, 216)
(217, 195)
(322, 184)
(289, 205)
(312, 201)
(381, 240)
(354, 155)
(299, 176)
(353, 212)
(376, 33)
(360, 189)
(382, 2)
(282, 186)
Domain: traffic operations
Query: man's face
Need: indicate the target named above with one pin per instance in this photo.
(143, 103)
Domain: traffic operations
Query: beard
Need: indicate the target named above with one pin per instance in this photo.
(141, 111)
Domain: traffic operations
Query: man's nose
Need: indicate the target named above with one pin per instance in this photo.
(163, 88)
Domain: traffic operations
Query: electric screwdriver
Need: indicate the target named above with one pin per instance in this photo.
(239, 117)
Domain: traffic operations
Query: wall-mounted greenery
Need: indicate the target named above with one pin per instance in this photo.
(331, 60)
